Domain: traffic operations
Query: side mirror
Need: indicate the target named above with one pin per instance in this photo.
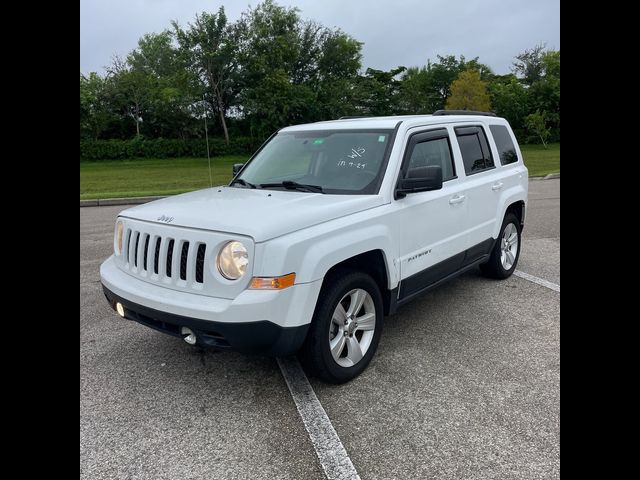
(420, 179)
(237, 167)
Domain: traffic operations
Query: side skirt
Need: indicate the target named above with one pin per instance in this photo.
(440, 273)
(451, 276)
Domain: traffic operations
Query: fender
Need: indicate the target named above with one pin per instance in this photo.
(310, 253)
(512, 195)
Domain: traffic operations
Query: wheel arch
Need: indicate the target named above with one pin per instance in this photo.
(518, 209)
(513, 201)
(374, 264)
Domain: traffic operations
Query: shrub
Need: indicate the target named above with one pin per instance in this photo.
(164, 148)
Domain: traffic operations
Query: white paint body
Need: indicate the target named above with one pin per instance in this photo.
(308, 233)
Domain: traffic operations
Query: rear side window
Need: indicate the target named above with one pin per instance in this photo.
(506, 148)
(476, 154)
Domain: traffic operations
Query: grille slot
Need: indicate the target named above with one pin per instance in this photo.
(135, 250)
(127, 241)
(169, 257)
(156, 256)
(146, 250)
(183, 260)
(202, 248)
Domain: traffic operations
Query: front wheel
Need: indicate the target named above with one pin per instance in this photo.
(346, 327)
(506, 251)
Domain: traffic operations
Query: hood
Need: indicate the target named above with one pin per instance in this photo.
(261, 214)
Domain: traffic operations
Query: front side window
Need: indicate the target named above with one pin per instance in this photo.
(506, 148)
(476, 155)
(433, 152)
(337, 161)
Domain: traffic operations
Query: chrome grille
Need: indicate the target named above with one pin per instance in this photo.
(182, 259)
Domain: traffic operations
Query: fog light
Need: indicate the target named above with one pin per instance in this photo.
(188, 335)
(120, 309)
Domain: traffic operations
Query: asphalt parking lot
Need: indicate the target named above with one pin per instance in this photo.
(465, 384)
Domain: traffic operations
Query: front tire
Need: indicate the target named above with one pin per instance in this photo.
(346, 327)
(504, 256)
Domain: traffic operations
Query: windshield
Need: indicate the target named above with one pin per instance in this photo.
(336, 161)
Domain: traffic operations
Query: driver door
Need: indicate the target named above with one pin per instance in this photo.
(432, 223)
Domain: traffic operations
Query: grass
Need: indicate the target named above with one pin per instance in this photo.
(541, 161)
(140, 178)
(169, 176)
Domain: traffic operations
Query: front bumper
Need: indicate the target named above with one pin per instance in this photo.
(269, 322)
(262, 336)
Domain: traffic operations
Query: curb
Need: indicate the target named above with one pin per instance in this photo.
(118, 201)
(551, 176)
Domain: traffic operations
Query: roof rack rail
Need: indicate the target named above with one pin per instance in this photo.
(349, 117)
(463, 112)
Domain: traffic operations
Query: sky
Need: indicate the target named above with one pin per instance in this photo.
(394, 32)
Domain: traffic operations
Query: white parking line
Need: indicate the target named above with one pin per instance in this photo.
(540, 281)
(332, 455)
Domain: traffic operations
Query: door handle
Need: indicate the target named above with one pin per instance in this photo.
(497, 186)
(456, 199)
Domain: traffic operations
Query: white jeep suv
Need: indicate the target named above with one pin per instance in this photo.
(327, 228)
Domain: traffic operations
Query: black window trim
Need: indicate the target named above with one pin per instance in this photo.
(484, 131)
(426, 135)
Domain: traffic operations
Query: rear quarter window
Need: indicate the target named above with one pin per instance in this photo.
(504, 142)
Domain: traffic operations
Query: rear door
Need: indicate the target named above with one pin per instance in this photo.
(483, 182)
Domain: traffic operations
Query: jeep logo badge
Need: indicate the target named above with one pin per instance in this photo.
(165, 219)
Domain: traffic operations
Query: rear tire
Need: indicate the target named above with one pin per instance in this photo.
(504, 256)
(346, 327)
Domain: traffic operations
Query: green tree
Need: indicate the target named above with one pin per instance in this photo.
(174, 90)
(131, 90)
(545, 93)
(96, 113)
(536, 124)
(274, 80)
(417, 95)
(209, 47)
(378, 92)
(469, 92)
(271, 68)
(529, 65)
(426, 89)
(155, 55)
(539, 70)
(510, 99)
(338, 65)
(293, 71)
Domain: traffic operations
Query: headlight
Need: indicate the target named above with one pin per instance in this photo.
(119, 236)
(233, 260)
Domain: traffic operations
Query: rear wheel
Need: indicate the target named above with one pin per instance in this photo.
(506, 251)
(346, 327)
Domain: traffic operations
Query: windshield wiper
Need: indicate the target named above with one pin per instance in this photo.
(243, 182)
(290, 185)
